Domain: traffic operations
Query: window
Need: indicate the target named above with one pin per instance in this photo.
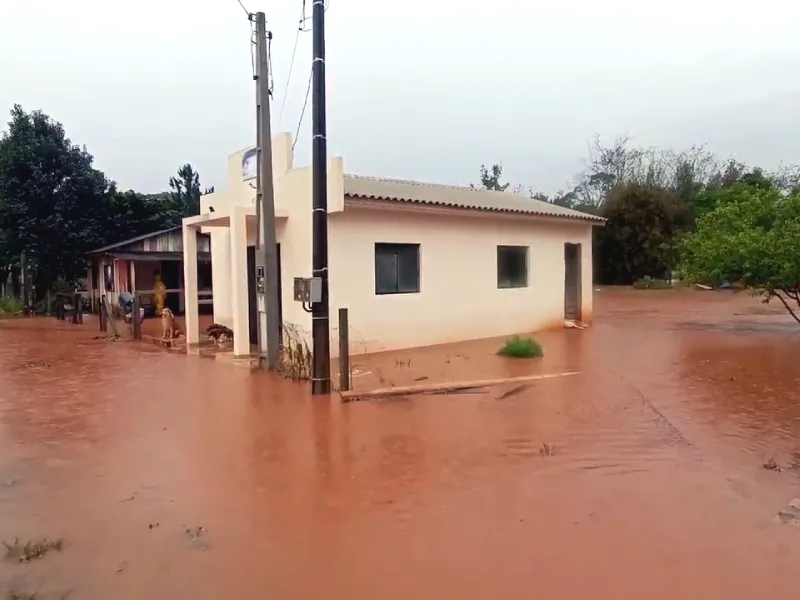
(512, 266)
(396, 269)
(108, 272)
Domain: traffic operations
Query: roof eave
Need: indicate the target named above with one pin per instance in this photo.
(373, 201)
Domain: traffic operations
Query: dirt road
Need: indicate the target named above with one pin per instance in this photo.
(171, 476)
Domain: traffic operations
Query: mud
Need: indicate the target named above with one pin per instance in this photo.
(172, 476)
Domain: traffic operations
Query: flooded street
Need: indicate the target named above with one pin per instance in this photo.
(173, 476)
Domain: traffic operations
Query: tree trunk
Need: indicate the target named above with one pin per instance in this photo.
(16, 287)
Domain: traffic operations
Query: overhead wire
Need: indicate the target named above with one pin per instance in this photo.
(310, 76)
(300, 29)
(303, 111)
(247, 12)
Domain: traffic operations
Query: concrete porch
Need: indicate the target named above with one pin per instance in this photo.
(241, 223)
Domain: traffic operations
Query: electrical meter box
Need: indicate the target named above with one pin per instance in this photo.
(308, 290)
(261, 280)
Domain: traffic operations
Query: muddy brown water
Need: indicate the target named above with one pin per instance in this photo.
(652, 485)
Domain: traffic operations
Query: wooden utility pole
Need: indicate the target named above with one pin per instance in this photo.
(320, 327)
(267, 245)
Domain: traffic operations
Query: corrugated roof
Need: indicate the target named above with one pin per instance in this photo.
(398, 190)
(138, 238)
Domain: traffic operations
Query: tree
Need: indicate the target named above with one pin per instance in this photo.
(752, 238)
(53, 203)
(55, 206)
(185, 191)
(637, 240)
(490, 179)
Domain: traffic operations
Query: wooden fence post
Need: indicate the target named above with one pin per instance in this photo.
(136, 318)
(76, 298)
(103, 316)
(110, 315)
(344, 350)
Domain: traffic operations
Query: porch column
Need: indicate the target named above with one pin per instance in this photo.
(190, 284)
(239, 285)
(89, 287)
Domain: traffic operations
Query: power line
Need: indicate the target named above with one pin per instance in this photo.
(271, 82)
(300, 29)
(303, 112)
(247, 12)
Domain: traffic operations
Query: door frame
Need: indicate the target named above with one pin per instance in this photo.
(577, 274)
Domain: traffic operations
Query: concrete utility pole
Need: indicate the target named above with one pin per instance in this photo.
(320, 328)
(266, 244)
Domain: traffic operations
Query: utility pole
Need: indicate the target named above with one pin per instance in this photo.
(320, 328)
(266, 244)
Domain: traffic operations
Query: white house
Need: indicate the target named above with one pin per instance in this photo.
(415, 263)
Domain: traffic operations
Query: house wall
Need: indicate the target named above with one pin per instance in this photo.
(459, 298)
(293, 204)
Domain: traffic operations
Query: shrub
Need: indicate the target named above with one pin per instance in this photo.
(647, 283)
(518, 347)
(10, 306)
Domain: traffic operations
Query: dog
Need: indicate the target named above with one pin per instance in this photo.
(168, 329)
(219, 333)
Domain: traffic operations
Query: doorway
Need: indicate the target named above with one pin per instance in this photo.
(572, 282)
(252, 300)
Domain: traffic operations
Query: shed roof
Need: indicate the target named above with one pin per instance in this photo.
(415, 192)
(138, 238)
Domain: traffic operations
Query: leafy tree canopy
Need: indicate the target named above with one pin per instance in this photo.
(185, 191)
(55, 206)
(637, 240)
(751, 238)
(491, 178)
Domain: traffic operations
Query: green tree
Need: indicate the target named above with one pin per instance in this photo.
(53, 203)
(637, 240)
(752, 238)
(55, 206)
(490, 178)
(185, 191)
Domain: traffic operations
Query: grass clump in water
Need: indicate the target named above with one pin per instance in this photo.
(10, 307)
(32, 549)
(519, 347)
(647, 283)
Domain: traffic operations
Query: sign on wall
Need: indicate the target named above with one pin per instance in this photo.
(249, 164)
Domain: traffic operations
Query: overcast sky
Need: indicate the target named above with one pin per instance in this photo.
(419, 89)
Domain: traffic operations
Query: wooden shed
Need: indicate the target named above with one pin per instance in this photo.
(132, 266)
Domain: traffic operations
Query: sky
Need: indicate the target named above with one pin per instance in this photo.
(419, 89)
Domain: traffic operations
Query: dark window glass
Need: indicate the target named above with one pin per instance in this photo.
(396, 268)
(512, 266)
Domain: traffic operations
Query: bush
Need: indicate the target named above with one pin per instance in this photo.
(518, 347)
(10, 306)
(648, 283)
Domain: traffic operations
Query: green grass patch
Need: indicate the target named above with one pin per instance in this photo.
(647, 283)
(519, 347)
(10, 306)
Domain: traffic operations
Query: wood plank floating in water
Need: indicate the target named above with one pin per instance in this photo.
(444, 388)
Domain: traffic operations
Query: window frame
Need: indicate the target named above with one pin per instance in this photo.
(512, 285)
(397, 249)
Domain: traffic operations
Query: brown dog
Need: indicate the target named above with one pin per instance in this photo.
(168, 328)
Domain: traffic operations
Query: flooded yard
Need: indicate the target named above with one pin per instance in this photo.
(173, 476)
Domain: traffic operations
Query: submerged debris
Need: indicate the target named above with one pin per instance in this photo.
(547, 449)
(32, 549)
(791, 513)
(771, 465)
(195, 532)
